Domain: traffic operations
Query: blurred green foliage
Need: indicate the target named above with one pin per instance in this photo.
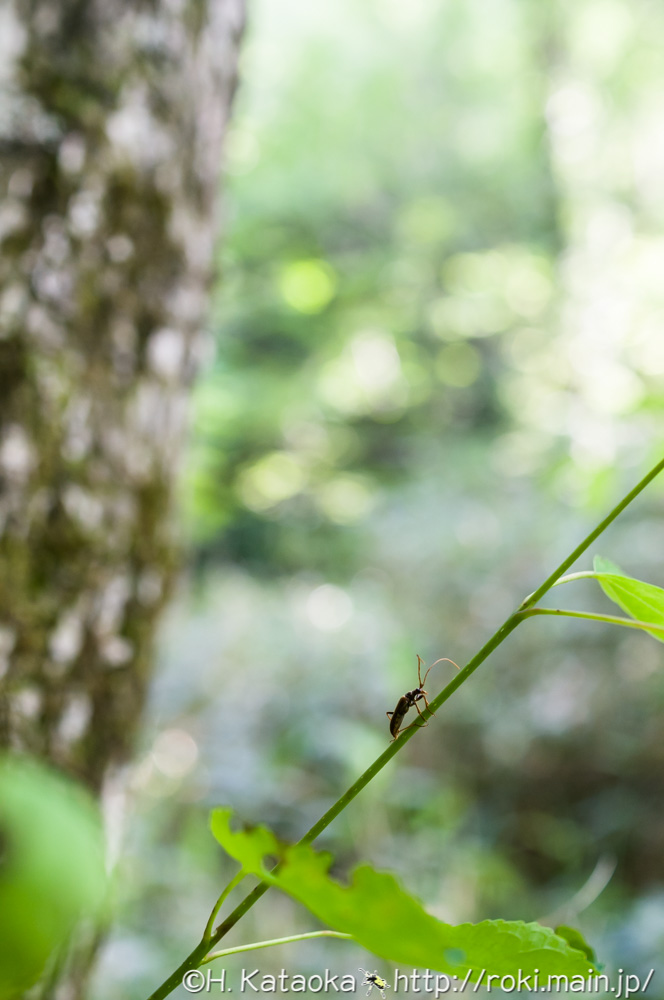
(438, 361)
(381, 914)
(52, 872)
(385, 227)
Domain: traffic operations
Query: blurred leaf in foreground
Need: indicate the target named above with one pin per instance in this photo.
(389, 922)
(51, 867)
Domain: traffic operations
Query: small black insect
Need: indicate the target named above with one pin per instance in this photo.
(411, 698)
(372, 979)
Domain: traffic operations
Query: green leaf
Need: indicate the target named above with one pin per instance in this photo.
(577, 940)
(643, 601)
(51, 867)
(386, 920)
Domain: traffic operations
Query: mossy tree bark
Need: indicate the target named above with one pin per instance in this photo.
(112, 114)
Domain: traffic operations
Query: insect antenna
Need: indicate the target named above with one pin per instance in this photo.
(443, 659)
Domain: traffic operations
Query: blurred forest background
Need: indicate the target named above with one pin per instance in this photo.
(438, 361)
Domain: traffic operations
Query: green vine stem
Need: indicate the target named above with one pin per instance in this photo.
(197, 956)
(584, 574)
(595, 533)
(270, 944)
(207, 934)
(609, 619)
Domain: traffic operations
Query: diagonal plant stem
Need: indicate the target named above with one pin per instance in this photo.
(595, 533)
(196, 957)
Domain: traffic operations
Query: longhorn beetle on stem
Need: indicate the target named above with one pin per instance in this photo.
(411, 698)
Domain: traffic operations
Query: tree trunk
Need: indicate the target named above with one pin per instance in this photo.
(111, 119)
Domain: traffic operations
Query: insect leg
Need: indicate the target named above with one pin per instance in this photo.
(418, 708)
(406, 728)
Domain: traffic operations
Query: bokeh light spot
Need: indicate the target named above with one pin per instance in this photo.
(345, 499)
(329, 608)
(308, 285)
(270, 480)
(426, 220)
(174, 753)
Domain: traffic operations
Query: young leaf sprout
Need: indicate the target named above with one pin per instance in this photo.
(411, 698)
(372, 979)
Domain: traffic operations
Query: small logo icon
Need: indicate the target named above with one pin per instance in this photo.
(372, 979)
